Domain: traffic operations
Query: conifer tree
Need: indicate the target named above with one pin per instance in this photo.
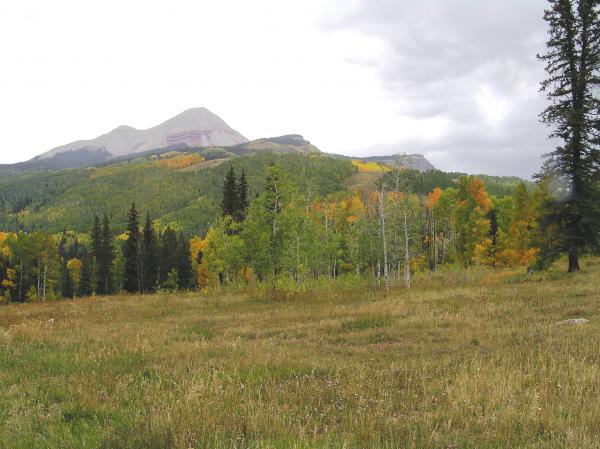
(230, 201)
(132, 254)
(105, 259)
(149, 258)
(183, 265)
(85, 277)
(242, 194)
(572, 216)
(65, 282)
(168, 251)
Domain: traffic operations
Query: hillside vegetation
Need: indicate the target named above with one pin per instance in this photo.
(467, 359)
(183, 190)
(185, 200)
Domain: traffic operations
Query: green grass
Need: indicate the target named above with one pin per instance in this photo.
(467, 359)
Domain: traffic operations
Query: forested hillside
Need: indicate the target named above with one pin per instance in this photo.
(185, 199)
(183, 193)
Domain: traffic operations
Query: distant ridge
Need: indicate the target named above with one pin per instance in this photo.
(414, 161)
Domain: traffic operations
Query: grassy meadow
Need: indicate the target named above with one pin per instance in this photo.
(467, 359)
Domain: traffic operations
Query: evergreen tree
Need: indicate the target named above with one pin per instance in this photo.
(65, 285)
(242, 194)
(168, 251)
(571, 218)
(149, 258)
(183, 264)
(105, 260)
(230, 201)
(132, 254)
(96, 249)
(85, 277)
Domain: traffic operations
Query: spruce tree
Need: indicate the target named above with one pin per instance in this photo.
(149, 259)
(571, 219)
(168, 251)
(132, 254)
(65, 282)
(106, 256)
(85, 277)
(183, 265)
(242, 195)
(230, 201)
(96, 250)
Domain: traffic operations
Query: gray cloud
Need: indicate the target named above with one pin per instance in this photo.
(470, 62)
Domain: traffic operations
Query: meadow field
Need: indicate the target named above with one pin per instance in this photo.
(467, 359)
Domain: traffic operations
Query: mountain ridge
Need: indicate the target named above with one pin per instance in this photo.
(196, 127)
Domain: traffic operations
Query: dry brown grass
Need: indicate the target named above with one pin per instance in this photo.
(465, 360)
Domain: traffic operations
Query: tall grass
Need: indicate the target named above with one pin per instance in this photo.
(467, 359)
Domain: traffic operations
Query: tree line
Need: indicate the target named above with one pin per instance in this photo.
(38, 266)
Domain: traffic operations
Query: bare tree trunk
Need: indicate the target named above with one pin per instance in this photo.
(45, 277)
(573, 262)
(383, 240)
(38, 276)
(433, 243)
(406, 252)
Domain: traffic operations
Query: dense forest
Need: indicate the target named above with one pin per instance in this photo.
(274, 220)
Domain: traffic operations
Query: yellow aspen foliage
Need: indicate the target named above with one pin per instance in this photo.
(376, 167)
(74, 268)
(180, 161)
(11, 276)
(4, 248)
(246, 274)
(197, 244)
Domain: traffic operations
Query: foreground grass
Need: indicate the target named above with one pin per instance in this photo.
(471, 363)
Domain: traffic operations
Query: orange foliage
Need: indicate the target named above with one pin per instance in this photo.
(476, 188)
(355, 204)
(433, 198)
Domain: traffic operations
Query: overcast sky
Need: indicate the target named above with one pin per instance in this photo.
(456, 80)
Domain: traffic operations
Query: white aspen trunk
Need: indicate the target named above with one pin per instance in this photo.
(44, 284)
(38, 276)
(433, 243)
(384, 241)
(406, 252)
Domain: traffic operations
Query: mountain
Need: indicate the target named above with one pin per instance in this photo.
(196, 127)
(415, 161)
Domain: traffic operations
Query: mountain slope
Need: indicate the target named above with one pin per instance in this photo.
(185, 199)
(192, 128)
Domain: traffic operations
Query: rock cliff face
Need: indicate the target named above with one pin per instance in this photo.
(194, 128)
(414, 161)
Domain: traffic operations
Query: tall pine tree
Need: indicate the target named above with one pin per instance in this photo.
(168, 251)
(105, 258)
(242, 195)
(65, 285)
(85, 277)
(184, 266)
(149, 258)
(230, 202)
(132, 281)
(572, 216)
